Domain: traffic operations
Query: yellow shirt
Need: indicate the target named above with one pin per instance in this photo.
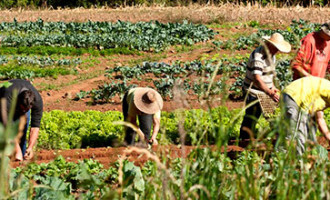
(310, 93)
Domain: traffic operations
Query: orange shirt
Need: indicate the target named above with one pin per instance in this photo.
(313, 56)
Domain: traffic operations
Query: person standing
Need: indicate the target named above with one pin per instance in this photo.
(313, 57)
(303, 100)
(144, 104)
(259, 79)
(29, 103)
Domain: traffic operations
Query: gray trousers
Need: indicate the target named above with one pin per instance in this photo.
(302, 125)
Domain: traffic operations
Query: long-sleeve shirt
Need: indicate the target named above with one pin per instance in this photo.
(313, 56)
(20, 86)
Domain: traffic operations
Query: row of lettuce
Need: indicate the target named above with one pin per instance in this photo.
(76, 129)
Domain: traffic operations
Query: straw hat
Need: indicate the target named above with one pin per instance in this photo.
(326, 28)
(147, 100)
(278, 41)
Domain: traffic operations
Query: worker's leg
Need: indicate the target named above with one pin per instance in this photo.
(23, 138)
(298, 132)
(250, 119)
(129, 133)
(145, 123)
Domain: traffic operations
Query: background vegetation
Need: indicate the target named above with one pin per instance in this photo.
(123, 3)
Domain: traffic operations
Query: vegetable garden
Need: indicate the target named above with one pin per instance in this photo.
(80, 152)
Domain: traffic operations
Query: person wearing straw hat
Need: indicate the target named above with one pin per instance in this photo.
(313, 57)
(303, 100)
(144, 104)
(259, 79)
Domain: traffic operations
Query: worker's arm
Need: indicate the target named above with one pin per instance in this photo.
(34, 133)
(270, 92)
(301, 71)
(156, 124)
(322, 125)
(302, 61)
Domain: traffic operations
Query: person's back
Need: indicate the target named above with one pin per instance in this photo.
(30, 104)
(310, 93)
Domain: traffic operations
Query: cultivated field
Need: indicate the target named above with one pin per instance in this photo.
(83, 60)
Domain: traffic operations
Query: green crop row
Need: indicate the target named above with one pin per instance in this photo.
(145, 36)
(166, 76)
(25, 67)
(66, 130)
(293, 34)
(39, 61)
(66, 51)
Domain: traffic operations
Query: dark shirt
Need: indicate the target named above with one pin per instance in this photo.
(20, 86)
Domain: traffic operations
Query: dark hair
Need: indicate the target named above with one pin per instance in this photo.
(26, 99)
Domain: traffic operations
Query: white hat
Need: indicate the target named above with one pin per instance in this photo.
(278, 41)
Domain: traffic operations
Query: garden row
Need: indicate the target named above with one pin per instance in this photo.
(68, 130)
(144, 36)
(25, 67)
(194, 77)
(293, 34)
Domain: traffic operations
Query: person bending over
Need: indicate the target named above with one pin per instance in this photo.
(304, 100)
(144, 104)
(30, 104)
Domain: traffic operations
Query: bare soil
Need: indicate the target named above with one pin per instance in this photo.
(108, 156)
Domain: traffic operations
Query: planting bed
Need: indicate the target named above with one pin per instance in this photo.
(108, 156)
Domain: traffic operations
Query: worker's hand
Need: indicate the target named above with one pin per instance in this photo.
(28, 154)
(273, 94)
(153, 141)
(18, 156)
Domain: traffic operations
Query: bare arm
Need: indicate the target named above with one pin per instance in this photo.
(301, 71)
(34, 133)
(322, 125)
(271, 92)
(301, 63)
(156, 123)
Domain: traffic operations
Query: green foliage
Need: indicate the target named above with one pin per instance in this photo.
(65, 130)
(12, 71)
(67, 51)
(293, 34)
(142, 36)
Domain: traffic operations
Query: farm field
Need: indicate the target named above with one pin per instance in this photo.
(83, 61)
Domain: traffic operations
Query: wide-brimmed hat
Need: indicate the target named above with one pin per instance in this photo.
(278, 41)
(326, 28)
(147, 100)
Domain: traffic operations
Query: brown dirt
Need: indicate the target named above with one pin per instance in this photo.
(107, 156)
(196, 14)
